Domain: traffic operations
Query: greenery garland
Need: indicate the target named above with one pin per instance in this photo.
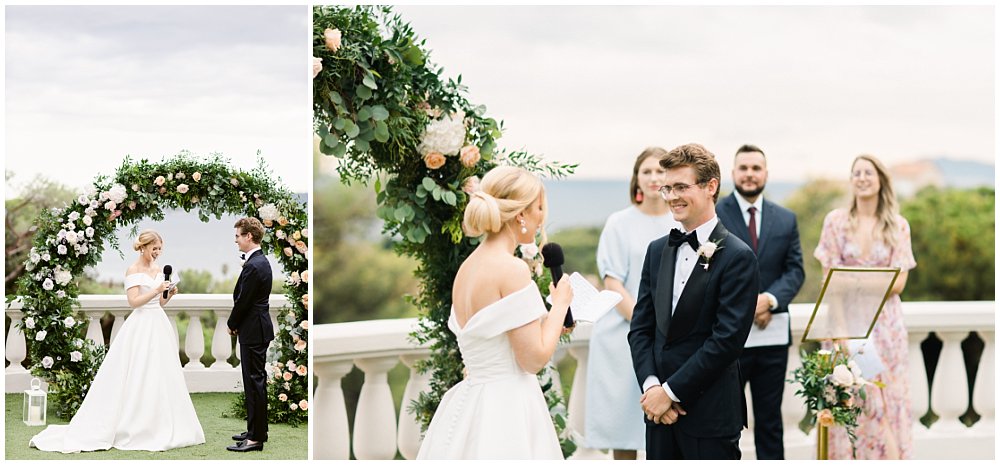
(389, 117)
(71, 239)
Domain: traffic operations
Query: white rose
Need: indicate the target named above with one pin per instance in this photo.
(47, 362)
(529, 250)
(110, 205)
(842, 376)
(40, 336)
(29, 323)
(69, 322)
(73, 216)
(75, 356)
(78, 343)
(83, 249)
(89, 232)
(83, 200)
(707, 250)
(446, 135)
(280, 234)
(117, 193)
(305, 233)
(268, 212)
(90, 212)
(71, 237)
(61, 249)
(87, 221)
(94, 204)
(46, 256)
(63, 276)
(290, 365)
(61, 294)
(33, 257)
(47, 284)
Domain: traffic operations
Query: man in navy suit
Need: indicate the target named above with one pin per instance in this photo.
(695, 306)
(250, 321)
(771, 230)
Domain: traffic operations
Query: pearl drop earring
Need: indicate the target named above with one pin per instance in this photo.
(524, 229)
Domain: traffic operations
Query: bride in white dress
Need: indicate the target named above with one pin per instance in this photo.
(138, 400)
(503, 332)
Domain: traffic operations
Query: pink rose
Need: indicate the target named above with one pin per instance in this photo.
(300, 345)
(470, 185)
(183, 188)
(288, 251)
(196, 176)
(469, 155)
(163, 190)
(304, 404)
(160, 180)
(114, 214)
(293, 406)
(287, 376)
(305, 233)
(301, 247)
(283, 397)
(317, 66)
(302, 370)
(305, 276)
(131, 204)
(304, 325)
(434, 160)
(332, 38)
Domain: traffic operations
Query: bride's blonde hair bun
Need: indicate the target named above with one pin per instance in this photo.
(145, 238)
(504, 192)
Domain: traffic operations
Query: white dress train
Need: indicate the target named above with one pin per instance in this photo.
(138, 400)
(498, 411)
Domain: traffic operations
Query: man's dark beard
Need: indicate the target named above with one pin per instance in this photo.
(751, 193)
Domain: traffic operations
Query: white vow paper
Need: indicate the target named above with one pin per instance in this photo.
(588, 303)
(775, 334)
(865, 353)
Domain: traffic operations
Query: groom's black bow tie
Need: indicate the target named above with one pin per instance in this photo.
(677, 238)
(243, 256)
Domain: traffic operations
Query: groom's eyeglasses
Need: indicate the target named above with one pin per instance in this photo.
(678, 188)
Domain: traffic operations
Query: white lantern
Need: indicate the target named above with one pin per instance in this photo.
(35, 403)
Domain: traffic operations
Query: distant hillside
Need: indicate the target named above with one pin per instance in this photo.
(966, 174)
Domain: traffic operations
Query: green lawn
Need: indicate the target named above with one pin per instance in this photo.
(284, 442)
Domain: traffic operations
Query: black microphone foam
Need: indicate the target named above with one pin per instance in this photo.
(553, 259)
(167, 269)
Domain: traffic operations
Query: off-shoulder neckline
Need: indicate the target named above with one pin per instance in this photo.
(481, 310)
(144, 274)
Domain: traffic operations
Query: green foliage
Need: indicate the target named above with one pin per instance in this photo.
(20, 214)
(811, 203)
(373, 100)
(579, 246)
(196, 281)
(953, 233)
(72, 238)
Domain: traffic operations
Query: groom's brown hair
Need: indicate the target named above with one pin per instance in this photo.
(698, 157)
(251, 226)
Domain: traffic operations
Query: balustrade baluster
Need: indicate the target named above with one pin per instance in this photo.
(194, 341)
(577, 404)
(919, 384)
(983, 394)
(221, 341)
(94, 331)
(408, 436)
(375, 420)
(119, 321)
(331, 436)
(16, 349)
(949, 392)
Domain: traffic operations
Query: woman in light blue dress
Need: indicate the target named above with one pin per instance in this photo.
(614, 418)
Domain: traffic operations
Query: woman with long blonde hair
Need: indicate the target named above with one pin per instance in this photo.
(504, 334)
(872, 233)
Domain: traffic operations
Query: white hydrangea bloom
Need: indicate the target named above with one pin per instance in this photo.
(268, 212)
(446, 136)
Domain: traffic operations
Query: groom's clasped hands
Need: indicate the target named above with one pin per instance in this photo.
(659, 407)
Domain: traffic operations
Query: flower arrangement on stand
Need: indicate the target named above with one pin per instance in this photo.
(833, 389)
(386, 113)
(74, 237)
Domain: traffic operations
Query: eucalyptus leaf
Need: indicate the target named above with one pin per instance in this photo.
(450, 198)
(361, 145)
(428, 183)
(379, 113)
(369, 82)
(364, 113)
(335, 98)
(363, 92)
(351, 129)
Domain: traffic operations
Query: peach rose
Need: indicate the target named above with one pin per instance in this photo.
(300, 345)
(305, 303)
(183, 188)
(825, 417)
(304, 404)
(293, 406)
(288, 251)
(196, 176)
(131, 206)
(268, 223)
(305, 276)
(434, 160)
(317, 66)
(304, 325)
(301, 247)
(159, 180)
(296, 235)
(469, 155)
(302, 370)
(332, 38)
(282, 397)
(163, 190)
(287, 376)
(283, 221)
(470, 185)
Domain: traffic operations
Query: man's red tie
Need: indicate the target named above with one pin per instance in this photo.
(753, 227)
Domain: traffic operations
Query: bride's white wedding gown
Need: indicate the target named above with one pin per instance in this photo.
(138, 399)
(498, 411)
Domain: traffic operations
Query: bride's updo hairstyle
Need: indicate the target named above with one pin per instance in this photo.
(145, 238)
(504, 192)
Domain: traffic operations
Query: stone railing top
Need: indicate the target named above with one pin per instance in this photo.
(180, 302)
(374, 338)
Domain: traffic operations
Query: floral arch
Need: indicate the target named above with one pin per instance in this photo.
(73, 238)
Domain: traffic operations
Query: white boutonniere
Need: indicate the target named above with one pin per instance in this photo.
(707, 250)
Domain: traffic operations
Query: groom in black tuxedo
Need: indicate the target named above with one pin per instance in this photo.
(772, 231)
(692, 315)
(250, 320)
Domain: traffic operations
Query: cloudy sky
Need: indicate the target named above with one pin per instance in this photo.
(86, 86)
(813, 86)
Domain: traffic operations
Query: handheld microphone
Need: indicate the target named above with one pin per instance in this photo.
(553, 259)
(167, 269)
